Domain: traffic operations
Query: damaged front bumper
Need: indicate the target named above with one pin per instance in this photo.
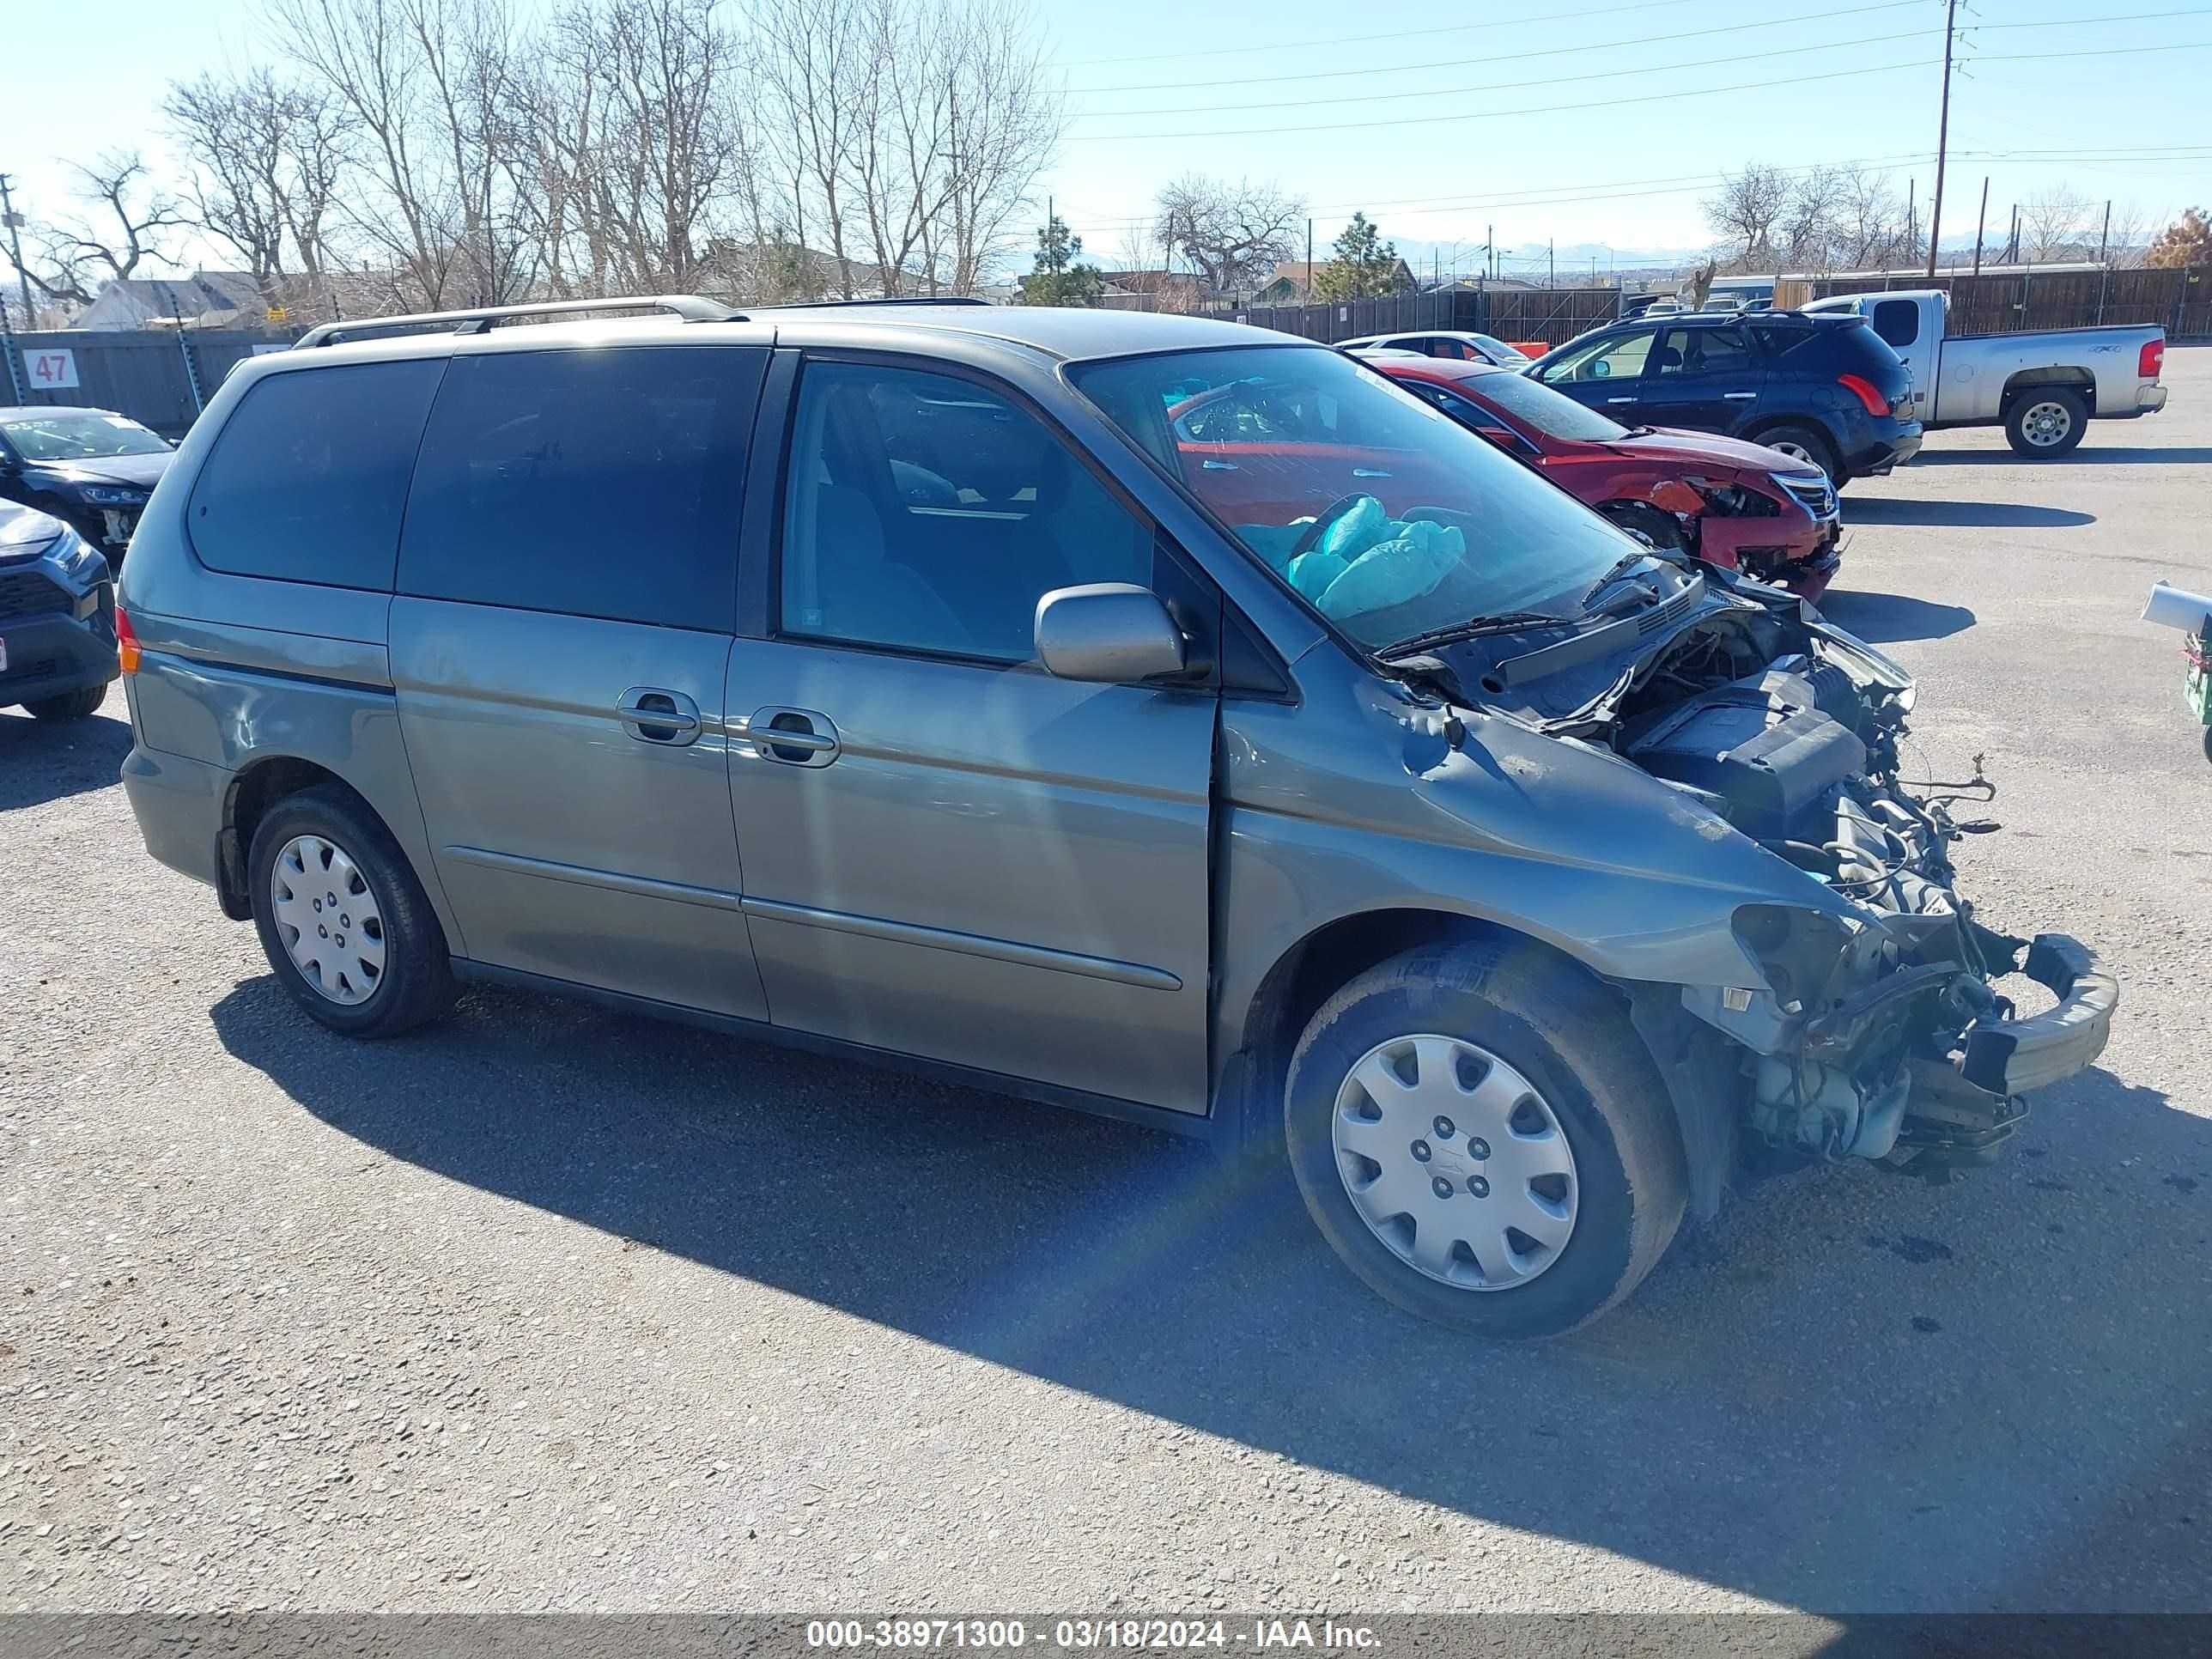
(1880, 1076)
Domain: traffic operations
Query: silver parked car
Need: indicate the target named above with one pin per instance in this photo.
(1142, 714)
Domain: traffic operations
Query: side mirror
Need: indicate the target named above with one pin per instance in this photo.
(1112, 633)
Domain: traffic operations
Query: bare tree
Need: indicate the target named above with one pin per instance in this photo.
(1235, 234)
(2058, 223)
(263, 157)
(1745, 213)
(126, 222)
(1870, 228)
(433, 87)
(815, 68)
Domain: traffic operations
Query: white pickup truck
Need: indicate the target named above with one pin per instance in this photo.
(2042, 387)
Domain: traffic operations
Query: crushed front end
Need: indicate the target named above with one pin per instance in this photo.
(1879, 1031)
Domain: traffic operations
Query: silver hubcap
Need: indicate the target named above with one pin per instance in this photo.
(328, 919)
(1797, 452)
(1454, 1162)
(2045, 424)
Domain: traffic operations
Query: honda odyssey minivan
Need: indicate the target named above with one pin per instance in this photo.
(913, 681)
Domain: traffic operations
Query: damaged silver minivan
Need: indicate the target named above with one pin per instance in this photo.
(1147, 715)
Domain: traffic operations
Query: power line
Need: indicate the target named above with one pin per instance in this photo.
(1507, 86)
(1393, 36)
(1309, 128)
(1498, 114)
(1369, 72)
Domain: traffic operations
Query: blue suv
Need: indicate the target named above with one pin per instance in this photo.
(1835, 396)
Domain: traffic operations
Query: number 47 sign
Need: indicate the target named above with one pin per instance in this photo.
(50, 370)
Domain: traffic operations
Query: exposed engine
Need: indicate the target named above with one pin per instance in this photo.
(1887, 1046)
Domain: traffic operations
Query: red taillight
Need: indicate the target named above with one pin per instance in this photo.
(1866, 391)
(2150, 359)
(126, 641)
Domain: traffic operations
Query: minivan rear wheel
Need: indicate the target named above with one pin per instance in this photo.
(1481, 1135)
(342, 918)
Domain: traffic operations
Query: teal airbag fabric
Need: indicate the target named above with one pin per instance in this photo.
(1365, 561)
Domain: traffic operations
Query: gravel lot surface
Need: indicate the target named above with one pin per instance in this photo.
(548, 1308)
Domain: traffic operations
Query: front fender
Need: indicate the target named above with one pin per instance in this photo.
(1373, 807)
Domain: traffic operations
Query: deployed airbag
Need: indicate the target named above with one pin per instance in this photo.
(1365, 561)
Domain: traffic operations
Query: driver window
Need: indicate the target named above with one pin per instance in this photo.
(926, 512)
(1620, 358)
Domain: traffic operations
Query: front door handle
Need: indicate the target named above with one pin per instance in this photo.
(1217, 466)
(794, 737)
(652, 715)
(1620, 400)
(1369, 472)
(1742, 396)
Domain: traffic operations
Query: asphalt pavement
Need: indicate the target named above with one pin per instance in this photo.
(550, 1307)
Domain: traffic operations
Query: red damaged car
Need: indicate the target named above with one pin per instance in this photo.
(1728, 502)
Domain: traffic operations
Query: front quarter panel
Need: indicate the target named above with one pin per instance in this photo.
(1356, 800)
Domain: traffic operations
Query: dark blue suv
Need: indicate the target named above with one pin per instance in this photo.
(1816, 387)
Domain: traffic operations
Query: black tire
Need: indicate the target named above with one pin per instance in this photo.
(416, 983)
(2207, 743)
(2046, 421)
(70, 706)
(1794, 437)
(1659, 529)
(1570, 1038)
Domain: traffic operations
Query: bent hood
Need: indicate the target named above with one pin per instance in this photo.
(1691, 449)
(141, 472)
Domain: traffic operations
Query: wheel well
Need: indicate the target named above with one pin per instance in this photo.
(252, 792)
(1312, 971)
(2080, 380)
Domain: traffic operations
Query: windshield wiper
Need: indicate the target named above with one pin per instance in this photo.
(1621, 566)
(1504, 622)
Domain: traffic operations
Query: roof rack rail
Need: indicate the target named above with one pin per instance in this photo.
(895, 300)
(689, 306)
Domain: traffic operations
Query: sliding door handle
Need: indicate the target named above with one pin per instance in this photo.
(793, 736)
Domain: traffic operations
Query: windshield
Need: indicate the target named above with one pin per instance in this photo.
(1387, 517)
(79, 435)
(1498, 347)
(1553, 413)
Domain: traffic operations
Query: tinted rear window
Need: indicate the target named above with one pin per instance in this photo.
(599, 482)
(1897, 321)
(308, 476)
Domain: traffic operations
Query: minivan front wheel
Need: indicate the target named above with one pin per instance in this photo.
(1481, 1135)
(342, 919)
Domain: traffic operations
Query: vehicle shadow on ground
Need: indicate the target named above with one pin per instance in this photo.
(1885, 618)
(42, 761)
(1853, 1392)
(1961, 516)
(2087, 455)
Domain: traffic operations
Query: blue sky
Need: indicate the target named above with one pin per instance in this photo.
(1519, 115)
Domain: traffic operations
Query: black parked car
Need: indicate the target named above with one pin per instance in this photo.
(1835, 396)
(57, 642)
(91, 468)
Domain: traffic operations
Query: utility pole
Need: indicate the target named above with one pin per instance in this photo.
(1943, 134)
(7, 217)
(1911, 223)
(1981, 224)
(1309, 276)
(1552, 263)
(2104, 237)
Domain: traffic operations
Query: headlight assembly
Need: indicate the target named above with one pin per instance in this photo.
(1799, 950)
(113, 495)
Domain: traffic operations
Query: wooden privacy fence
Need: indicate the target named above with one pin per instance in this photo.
(2003, 303)
(160, 378)
(1554, 315)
